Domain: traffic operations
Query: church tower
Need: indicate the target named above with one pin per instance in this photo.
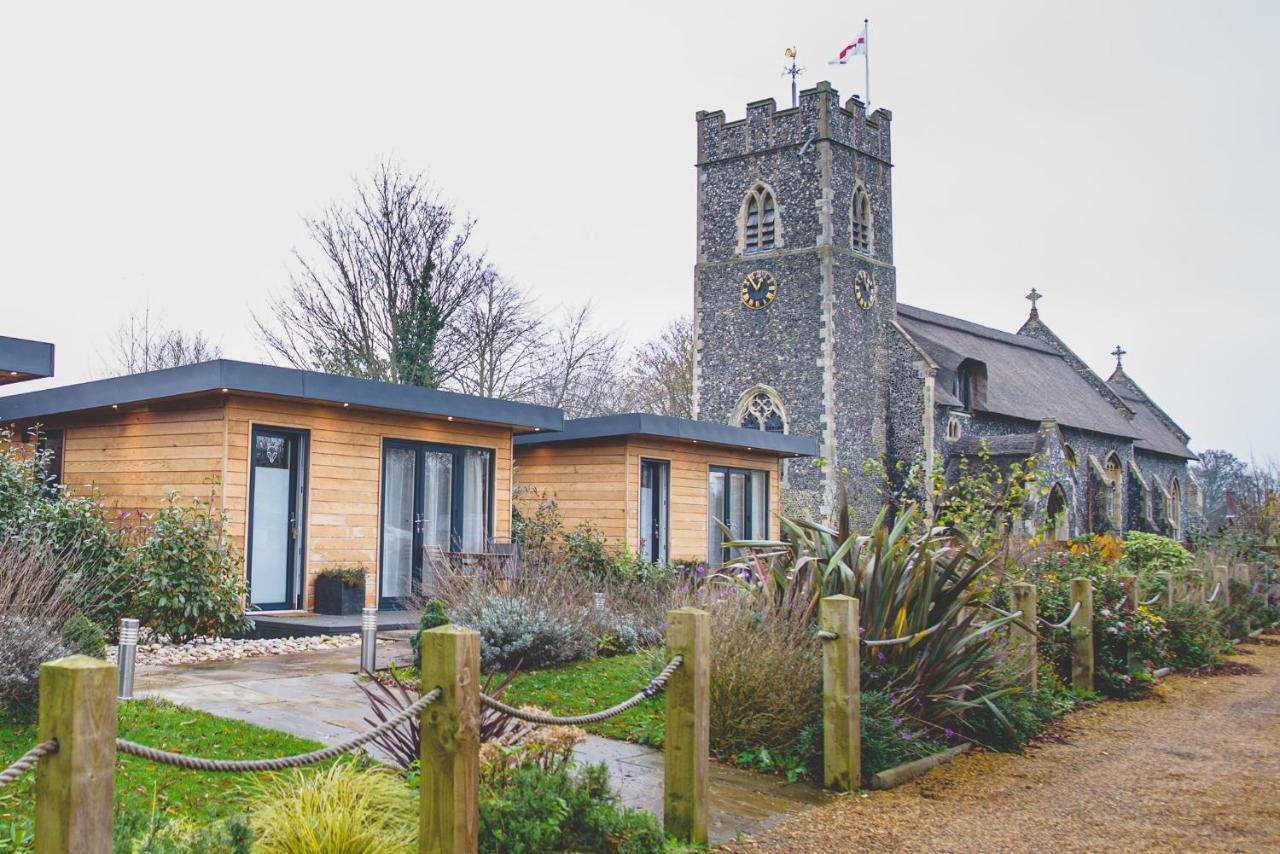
(795, 291)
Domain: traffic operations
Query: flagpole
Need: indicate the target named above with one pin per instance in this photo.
(866, 55)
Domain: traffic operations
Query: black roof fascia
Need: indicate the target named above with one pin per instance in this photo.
(20, 358)
(247, 377)
(668, 427)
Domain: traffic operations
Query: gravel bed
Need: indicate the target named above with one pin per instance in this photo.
(226, 649)
(1196, 767)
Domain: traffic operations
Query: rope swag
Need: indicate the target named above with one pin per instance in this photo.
(653, 689)
(27, 761)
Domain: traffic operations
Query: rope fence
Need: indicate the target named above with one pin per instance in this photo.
(1153, 600)
(830, 636)
(200, 763)
(1213, 597)
(1075, 612)
(27, 761)
(653, 689)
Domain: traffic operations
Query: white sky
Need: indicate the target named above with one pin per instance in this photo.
(1121, 157)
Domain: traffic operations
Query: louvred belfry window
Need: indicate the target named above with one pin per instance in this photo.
(760, 221)
(861, 220)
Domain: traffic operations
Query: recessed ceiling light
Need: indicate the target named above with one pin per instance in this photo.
(450, 417)
(225, 390)
(115, 406)
(13, 373)
(346, 405)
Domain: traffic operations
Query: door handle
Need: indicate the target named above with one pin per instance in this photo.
(417, 522)
(293, 526)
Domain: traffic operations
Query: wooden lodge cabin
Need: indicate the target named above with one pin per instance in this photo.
(313, 471)
(657, 484)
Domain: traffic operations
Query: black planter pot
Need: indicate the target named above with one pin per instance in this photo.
(334, 597)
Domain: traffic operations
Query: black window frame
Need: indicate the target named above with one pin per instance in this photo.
(747, 505)
(664, 519)
(457, 500)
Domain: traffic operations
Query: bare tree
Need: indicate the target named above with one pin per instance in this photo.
(581, 369)
(498, 343)
(660, 373)
(379, 294)
(140, 344)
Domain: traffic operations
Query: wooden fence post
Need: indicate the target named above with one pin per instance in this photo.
(1082, 635)
(449, 788)
(1167, 579)
(688, 727)
(75, 787)
(1129, 584)
(1222, 576)
(1197, 586)
(1022, 641)
(841, 694)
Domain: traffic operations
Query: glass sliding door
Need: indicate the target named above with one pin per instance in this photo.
(737, 499)
(399, 531)
(277, 484)
(654, 515)
(435, 498)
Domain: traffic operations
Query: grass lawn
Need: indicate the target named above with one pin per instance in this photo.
(588, 686)
(142, 785)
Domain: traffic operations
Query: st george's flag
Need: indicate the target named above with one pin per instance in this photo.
(857, 48)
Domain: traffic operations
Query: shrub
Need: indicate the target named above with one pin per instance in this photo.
(1147, 554)
(765, 677)
(516, 631)
(536, 811)
(158, 833)
(81, 636)
(190, 582)
(342, 808)
(348, 576)
(24, 646)
(1195, 637)
(889, 738)
(433, 616)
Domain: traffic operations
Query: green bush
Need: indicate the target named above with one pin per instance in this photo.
(1014, 718)
(537, 811)
(1145, 555)
(433, 616)
(189, 578)
(81, 636)
(889, 738)
(25, 644)
(1196, 638)
(344, 808)
(516, 630)
(158, 833)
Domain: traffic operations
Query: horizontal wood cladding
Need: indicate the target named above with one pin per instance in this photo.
(587, 481)
(599, 482)
(132, 458)
(344, 477)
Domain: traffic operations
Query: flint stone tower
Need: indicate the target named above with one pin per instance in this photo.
(797, 205)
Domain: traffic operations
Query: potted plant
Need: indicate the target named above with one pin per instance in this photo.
(340, 591)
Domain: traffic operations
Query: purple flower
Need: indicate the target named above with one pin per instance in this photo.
(881, 656)
(862, 630)
(906, 736)
(701, 570)
(947, 732)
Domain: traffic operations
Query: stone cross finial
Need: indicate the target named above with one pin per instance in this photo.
(1119, 353)
(1035, 296)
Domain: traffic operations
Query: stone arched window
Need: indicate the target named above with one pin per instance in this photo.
(1114, 471)
(954, 429)
(1175, 509)
(761, 229)
(861, 220)
(1069, 456)
(761, 409)
(1057, 514)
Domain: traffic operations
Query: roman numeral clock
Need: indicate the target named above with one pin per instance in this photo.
(758, 289)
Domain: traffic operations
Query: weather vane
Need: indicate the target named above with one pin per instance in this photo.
(793, 72)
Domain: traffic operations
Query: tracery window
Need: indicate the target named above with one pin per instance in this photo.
(760, 220)
(1175, 509)
(763, 412)
(861, 220)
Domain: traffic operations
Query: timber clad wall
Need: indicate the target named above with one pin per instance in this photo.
(598, 481)
(136, 457)
(344, 479)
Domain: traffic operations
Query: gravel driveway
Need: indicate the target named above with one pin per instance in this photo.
(1195, 768)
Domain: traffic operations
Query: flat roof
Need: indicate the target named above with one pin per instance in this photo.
(251, 378)
(668, 427)
(21, 359)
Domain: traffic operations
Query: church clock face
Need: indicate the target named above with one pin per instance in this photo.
(758, 289)
(864, 289)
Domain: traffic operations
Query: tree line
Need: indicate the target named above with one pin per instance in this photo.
(392, 287)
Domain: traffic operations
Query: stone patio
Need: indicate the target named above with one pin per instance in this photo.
(313, 695)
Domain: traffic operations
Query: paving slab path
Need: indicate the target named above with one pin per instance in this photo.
(1194, 768)
(313, 695)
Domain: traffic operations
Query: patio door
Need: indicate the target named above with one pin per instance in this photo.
(277, 485)
(435, 499)
(654, 496)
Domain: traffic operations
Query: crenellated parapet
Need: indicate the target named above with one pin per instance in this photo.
(819, 116)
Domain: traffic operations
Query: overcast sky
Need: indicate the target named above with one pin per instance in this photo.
(1120, 157)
